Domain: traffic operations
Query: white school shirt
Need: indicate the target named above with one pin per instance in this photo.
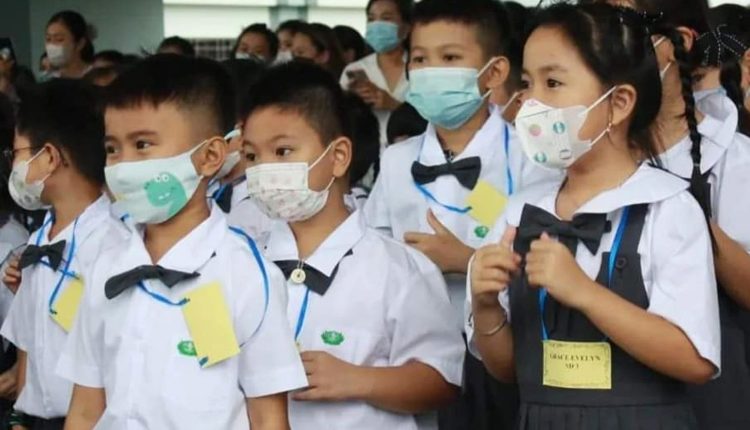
(396, 206)
(389, 308)
(716, 103)
(675, 251)
(13, 236)
(370, 65)
(239, 191)
(129, 346)
(726, 154)
(29, 324)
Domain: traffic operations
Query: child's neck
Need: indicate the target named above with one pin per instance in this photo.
(160, 238)
(70, 206)
(457, 140)
(313, 232)
(671, 126)
(234, 174)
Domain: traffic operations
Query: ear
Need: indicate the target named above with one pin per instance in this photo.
(52, 157)
(209, 160)
(498, 73)
(81, 44)
(342, 156)
(688, 37)
(622, 100)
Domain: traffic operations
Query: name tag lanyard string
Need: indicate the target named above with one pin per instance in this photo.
(65, 272)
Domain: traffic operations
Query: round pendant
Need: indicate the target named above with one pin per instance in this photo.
(298, 276)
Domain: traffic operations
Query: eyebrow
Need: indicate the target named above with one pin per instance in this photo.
(271, 140)
(138, 133)
(547, 69)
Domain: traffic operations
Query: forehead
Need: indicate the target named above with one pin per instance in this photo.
(549, 46)
(253, 38)
(383, 6)
(266, 123)
(57, 29)
(164, 118)
(441, 33)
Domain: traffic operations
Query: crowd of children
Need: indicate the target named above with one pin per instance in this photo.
(500, 218)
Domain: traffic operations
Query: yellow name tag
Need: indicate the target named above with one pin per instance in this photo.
(66, 306)
(487, 203)
(577, 365)
(210, 325)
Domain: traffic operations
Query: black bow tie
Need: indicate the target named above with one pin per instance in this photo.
(224, 197)
(466, 171)
(119, 283)
(34, 254)
(586, 228)
(314, 278)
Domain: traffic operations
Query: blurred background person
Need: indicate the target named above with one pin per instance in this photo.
(68, 44)
(317, 43)
(352, 43)
(176, 45)
(256, 41)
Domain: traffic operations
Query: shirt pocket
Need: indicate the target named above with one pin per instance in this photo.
(354, 345)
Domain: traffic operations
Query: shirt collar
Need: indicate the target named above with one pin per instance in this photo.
(716, 135)
(283, 246)
(88, 221)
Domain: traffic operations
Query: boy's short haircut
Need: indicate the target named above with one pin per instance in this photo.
(199, 87)
(244, 73)
(405, 121)
(307, 90)
(182, 45)
(365, 139)
(66, 114)
(491, 22)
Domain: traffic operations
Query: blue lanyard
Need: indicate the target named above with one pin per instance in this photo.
(158, 297)
(610, 267)
(302, 314)
(65, 272)
(263, 272)
(463, 210)
(218, 193)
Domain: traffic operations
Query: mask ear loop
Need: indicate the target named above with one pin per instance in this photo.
(315, 163)
(28, 162)
(598, 101)
(481, 72)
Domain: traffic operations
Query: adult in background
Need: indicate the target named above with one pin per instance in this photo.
(286, 32)
(353, 46)
(176, 45)
(68, 44)
(380, 79)
(256, 42)
(317, 43)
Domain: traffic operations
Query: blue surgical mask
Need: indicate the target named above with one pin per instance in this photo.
(382, 35)
(702, 94)
(446, 96)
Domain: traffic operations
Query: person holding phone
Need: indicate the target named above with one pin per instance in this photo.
(380, 78)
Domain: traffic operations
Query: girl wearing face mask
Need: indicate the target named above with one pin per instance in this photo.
(598, 298)
(256, 42)
(705, 149)
(68, 44)
(379, 78)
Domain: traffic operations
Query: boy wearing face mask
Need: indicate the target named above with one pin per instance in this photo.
(187, 328)
(57, 149)
(441, 192)
(368, 313)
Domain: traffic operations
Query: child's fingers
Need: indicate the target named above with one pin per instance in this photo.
(509, 236)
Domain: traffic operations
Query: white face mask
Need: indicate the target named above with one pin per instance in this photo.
(550, 136)
(284, 57)
(58, 55)
(282, 191)
(28, 196)
(232, 158)
(153, 191)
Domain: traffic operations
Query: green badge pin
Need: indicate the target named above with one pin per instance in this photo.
(187, 348)
(332, 338)
(481, 231)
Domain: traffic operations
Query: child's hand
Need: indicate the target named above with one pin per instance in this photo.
(492, 270)
(443, 248)
(9, 383)
(12, 276)
(330, 379)
(549, 264)
(374, 96)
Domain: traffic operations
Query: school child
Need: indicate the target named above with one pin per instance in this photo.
(57, 148)
(607, 300)
(468, 156)
(187, 328)
(705, 150)
(368, 313)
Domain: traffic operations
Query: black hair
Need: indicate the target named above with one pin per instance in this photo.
(193, 84)
(491, 22)
(7, 130)
(616, 46)
(292, 26)
(365, 138)
(350, 38)
(405, 121)
(324, 40)
(93, 75)
(307, 90)
(66, 114)
(726, 45)
(271, 39)
(514, 17)
(404, 7)
(76, 24)
(111, 56)
(691, 14)
(244, 74)
(183, 46)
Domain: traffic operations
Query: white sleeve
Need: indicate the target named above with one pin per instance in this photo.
(376, 206)
(683, 287)
(417, 322)
(344, 81)
(18, 327)
(732, 206)
(81, 358)
(269, 360)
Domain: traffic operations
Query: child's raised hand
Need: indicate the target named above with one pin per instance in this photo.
(12, 275)
(550, 265)
(492, 270)
(443, 248)
(330, 379)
